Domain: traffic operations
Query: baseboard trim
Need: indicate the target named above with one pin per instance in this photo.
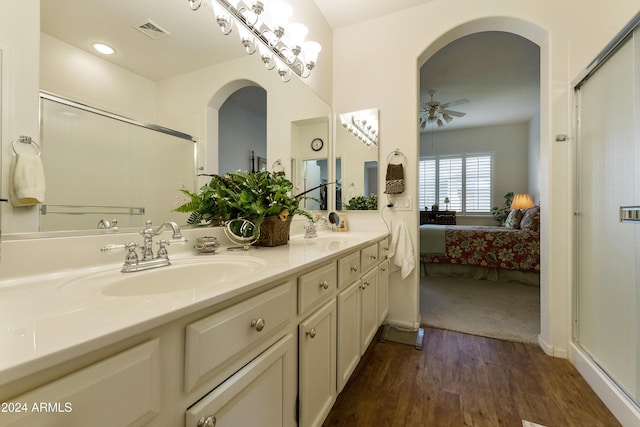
(551, 350)
(618, 403)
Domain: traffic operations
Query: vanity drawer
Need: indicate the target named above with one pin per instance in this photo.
(227, 339)
(348, 269)
(368, 257)
(316, 286)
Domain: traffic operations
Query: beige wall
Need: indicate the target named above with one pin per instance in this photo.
(19, 41)
(377, 63)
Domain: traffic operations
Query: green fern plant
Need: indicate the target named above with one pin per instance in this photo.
(253, 196)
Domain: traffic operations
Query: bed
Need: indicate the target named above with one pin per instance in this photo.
(515, 247)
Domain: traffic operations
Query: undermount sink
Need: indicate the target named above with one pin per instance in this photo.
(181, 275)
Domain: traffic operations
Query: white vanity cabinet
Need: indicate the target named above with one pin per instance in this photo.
(317, 344)
(369, 307)
(317, 370)
(257, 395)
(224, 340)
(362, 307)
(383, 290)
(121, 390)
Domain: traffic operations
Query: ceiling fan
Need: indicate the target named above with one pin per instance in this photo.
(435, 112)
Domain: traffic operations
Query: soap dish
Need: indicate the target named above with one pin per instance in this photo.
(206, 244)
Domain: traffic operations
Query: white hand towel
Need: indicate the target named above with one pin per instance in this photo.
(401, 249)
(26, 186)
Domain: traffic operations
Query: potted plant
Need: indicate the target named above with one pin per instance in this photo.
(500, 214)
(363, 203)
(261, 197)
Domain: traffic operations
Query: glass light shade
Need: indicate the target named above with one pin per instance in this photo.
(311, 50)
(297, 33)
(279, 12)
(220, 12)
(247, 39)
(522, 201)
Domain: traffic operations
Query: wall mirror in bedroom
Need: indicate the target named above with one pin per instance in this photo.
(356, 153)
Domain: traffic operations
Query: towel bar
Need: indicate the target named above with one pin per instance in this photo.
(90, 210)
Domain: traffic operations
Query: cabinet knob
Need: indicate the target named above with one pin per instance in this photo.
(311, 333)
(366, 283)
(363, 285)
(354, 268)
(374, 257)
(209, 421)
(324, 284)
(258, 324)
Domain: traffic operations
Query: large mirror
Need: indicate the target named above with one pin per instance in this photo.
(356, 152)
(177, 80)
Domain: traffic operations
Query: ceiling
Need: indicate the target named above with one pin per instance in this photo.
(496, 72)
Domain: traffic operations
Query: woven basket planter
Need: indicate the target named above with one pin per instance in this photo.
(274, 231)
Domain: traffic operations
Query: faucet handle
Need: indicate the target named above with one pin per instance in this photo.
(162, 250)
(132, 256)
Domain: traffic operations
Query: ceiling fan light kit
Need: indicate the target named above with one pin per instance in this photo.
(437, 113)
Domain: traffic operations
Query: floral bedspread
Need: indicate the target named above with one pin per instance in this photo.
(498, 247)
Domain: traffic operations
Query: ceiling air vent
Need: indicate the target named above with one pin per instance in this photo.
(151, 29)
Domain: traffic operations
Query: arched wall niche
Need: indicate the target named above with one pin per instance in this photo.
(551, 323)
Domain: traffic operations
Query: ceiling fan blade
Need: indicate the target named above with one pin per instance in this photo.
(453, 103)
(453, 113)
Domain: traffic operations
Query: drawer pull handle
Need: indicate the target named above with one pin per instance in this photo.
(354, 268)
(209, 421)
(312, 333)
(324, 284)
(258, 324)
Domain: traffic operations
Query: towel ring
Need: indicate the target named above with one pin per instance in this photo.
(397, 153)
(25, 140)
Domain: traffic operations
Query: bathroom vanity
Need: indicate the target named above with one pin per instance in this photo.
(264, 337)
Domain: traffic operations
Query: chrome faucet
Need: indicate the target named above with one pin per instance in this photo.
(133, 263)
(105, 224)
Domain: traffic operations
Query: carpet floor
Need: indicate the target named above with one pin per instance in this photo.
(503, 310)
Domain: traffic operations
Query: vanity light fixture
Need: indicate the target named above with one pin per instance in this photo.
(263, 26)
(103, 48)
(366, 130)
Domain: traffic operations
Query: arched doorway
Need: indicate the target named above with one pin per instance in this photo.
(538, 36)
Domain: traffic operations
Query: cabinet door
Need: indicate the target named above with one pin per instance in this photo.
(121, 390)
(369, 304)
(260, 394)
(348, 333)
(317, 371)
(383, 290)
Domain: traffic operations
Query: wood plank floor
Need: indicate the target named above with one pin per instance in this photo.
(465, 380)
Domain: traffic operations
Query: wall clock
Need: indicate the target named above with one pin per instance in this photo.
(317, 144)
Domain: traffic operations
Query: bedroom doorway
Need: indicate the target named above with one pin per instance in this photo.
(479, 99)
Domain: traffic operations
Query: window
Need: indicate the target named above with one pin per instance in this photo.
(465, 179)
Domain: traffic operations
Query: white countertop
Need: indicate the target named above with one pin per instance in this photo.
(44, 320)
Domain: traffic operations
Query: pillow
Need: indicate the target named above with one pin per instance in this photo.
(531, 219)
(513, 219)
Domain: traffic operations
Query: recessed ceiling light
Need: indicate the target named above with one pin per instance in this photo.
(103, 48)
